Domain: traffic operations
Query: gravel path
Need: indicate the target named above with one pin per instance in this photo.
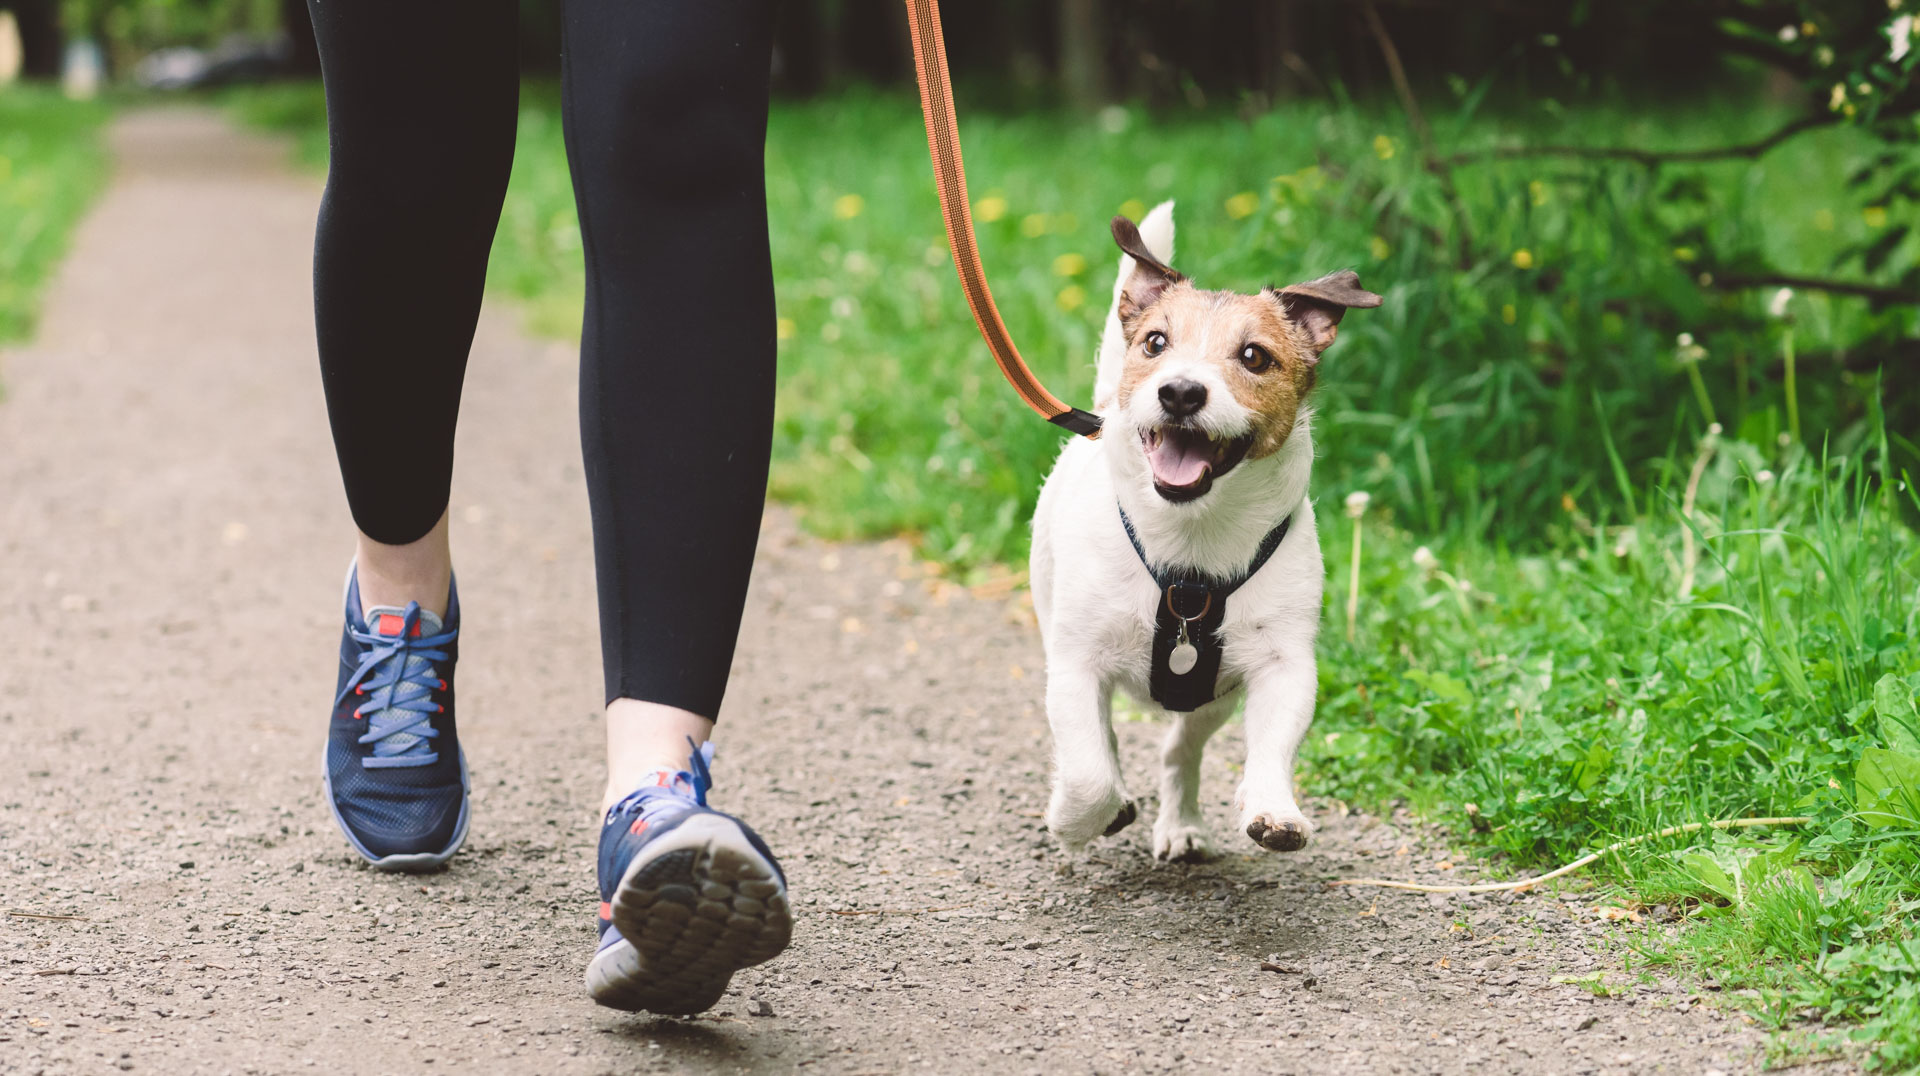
(171, 540)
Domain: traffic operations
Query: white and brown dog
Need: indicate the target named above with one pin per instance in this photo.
(1195, 492)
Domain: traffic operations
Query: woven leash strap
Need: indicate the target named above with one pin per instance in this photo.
(943, 145)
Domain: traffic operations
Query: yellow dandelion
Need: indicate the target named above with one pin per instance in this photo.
(1383, 147)
(1508, 314)
(1069, 264)
(1875, 216)
(785, 329)
(1070, 298)
(1033, 225)
(1379, 248)
(990, 208)
(1133, 209)
(1523, 258)
(848, 206)
(1242, 205)
(1537, 191)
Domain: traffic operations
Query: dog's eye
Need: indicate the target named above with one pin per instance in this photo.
(1255, 358)
(1156, 343)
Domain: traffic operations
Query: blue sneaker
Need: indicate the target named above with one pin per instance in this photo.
(396, 777)
(688, 896)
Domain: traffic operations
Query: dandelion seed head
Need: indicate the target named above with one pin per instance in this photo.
(1357, 503)
(1763, 476)
(1424, 559)
(1778, 306)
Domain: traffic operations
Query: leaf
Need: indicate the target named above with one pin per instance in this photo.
(1899, 718)
(1887, 784)
(1706, 870)
(1589, 770)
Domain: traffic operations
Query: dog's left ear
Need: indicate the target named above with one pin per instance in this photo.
(1317, 305)
(1150, 276)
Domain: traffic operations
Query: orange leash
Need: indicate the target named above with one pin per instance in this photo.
(949, 175)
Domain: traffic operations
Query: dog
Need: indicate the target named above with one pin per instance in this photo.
(1144, 538)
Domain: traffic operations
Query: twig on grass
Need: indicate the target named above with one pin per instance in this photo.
(1528, 883)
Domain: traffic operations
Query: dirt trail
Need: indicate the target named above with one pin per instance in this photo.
(171, 542)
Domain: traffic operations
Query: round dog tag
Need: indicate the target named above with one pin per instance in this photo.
(1183, 659)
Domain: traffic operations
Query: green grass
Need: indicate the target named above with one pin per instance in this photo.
(51, 166)
(1521, 406)
(1575, 696)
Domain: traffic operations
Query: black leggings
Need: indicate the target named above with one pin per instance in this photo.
(665, 111)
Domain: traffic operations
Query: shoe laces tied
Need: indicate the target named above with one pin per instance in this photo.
(666, 787)
(398, 678)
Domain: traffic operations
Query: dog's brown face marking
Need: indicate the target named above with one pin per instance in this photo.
(1246, 340)
(1263, 347)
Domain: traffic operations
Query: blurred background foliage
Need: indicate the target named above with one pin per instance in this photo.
(1583, 215)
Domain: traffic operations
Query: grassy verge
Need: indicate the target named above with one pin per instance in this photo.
(1587, 693)
(51, 166)
(1603, 587)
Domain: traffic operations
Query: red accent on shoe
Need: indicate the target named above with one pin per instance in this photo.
(390, 625)
(606, 910)
(639, 824)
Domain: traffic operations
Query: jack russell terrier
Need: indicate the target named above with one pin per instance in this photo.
(1176, 556)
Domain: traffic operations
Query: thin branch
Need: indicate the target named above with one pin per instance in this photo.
(1651, 158)
(1834, 287)
(1429, 153)
(1400, 84)
(1528, 883)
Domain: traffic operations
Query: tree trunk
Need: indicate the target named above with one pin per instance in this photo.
(303, 55)
(1083, 65)
(39, 24)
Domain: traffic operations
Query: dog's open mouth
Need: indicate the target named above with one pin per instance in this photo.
(1185, 461)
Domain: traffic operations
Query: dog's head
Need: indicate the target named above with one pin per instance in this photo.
(1212, 378)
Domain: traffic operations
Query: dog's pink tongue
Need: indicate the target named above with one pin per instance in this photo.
(1180, 459)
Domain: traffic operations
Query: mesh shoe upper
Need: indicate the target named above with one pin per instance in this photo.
(393, 754)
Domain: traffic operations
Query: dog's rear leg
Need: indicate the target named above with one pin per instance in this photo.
(1089, 798)
(1279, 709)
(1180, 833)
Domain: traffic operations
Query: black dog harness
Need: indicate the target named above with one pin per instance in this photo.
(1186, 643)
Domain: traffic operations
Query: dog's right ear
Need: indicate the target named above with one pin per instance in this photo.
(1150, 276)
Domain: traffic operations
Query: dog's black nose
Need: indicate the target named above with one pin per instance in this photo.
(1182, 397)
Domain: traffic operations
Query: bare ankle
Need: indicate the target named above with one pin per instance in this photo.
(393, 575)
(645, 737)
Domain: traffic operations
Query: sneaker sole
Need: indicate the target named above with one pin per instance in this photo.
(698, 905)
(404, 862)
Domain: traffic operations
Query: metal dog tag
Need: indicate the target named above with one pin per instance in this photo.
(1183, 659)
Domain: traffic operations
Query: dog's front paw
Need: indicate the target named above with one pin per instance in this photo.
(1177, 840)
(1078, 816)
(1278, 832)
